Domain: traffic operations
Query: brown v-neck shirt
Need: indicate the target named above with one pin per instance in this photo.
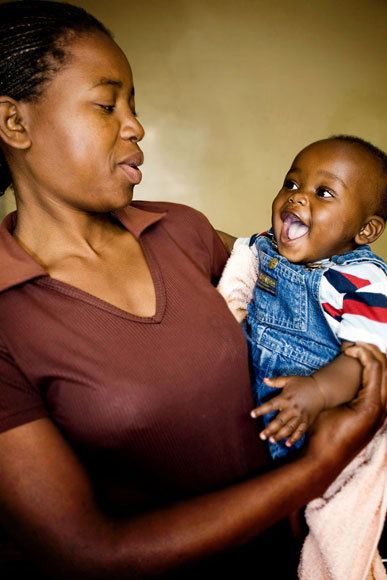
(157, 408)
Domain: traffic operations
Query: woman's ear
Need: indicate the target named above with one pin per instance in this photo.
(12, 128)
(371, 231)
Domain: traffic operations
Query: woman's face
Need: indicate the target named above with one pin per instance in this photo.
(84, 135)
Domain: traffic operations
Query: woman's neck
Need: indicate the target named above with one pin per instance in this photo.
(50, 236)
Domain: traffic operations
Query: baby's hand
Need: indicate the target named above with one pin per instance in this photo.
(300, 402)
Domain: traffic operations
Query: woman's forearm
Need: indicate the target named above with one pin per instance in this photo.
(47, 501)
(47, 504)
(213, 523)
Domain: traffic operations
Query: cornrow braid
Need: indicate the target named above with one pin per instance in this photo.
(33, 36)
(377, 154)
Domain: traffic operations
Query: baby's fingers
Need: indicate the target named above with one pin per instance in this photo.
(273, 405)
(289, 428)
(297, 434)
(284, 422)
(276, 382)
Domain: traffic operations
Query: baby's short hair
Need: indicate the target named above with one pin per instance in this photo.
(378, 155)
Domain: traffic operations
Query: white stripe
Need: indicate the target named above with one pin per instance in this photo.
(368, 334)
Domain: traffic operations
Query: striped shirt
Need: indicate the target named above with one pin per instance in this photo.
(353, 298)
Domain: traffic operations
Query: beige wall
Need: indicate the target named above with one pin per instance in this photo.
(230, 90)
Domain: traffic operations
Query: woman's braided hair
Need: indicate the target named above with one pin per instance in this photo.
(33, 36)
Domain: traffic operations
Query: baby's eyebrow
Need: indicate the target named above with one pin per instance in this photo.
(332, 175)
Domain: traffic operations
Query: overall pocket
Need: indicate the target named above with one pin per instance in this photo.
(280, 296)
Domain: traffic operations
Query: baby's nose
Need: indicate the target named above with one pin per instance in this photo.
(298, 197)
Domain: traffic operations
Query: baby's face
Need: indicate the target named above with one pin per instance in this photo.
(326, 198)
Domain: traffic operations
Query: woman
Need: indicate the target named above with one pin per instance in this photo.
(126, 448)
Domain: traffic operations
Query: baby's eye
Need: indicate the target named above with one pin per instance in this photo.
(289, 184)
(324, 192)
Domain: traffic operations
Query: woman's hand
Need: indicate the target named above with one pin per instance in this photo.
(340, 433)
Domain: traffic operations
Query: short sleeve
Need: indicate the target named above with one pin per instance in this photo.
(354, 300)
(19, 402)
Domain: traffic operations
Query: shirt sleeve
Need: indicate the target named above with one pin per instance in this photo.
(19, 402)
(354, 300)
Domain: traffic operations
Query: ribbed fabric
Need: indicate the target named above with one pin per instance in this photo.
(157, 407)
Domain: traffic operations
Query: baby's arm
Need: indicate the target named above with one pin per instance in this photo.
(238, 280)
(303, 398)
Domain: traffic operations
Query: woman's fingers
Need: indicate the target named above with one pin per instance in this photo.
(374, 374)
(341, 432)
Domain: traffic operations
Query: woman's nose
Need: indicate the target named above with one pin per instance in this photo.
(131, 129)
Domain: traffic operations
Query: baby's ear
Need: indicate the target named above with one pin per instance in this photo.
(371, 231)
(12, 127)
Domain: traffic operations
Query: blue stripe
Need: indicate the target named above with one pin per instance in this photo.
(369, 298)
(339, 281)
(252, 239)
(337, 317)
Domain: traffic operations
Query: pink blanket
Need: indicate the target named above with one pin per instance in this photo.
(345, 524)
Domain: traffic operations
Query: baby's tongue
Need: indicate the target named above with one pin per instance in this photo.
(295, 228)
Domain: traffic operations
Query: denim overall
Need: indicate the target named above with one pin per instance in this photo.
(287, 331)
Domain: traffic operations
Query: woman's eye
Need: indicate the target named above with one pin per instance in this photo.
(324, 192)
(289, 184)
(108, 108)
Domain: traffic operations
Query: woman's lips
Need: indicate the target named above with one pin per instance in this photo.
(130, 165)
(293, 228)
(132, 171)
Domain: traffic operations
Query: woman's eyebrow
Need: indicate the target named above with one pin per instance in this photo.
(114, 83)
(105, 81)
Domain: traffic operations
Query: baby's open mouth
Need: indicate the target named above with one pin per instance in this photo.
(293, 227)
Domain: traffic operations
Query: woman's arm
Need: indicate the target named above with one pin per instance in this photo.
(47, 502)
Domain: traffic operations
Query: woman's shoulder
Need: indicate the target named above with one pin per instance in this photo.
(182, 221)
(173, 210)
(190, 229)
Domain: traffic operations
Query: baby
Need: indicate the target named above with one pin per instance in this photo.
(311, 285)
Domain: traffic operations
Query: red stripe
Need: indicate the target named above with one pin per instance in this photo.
(331, 310)
(360, 309)
(358, 282)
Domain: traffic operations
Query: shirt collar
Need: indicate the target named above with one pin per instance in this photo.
(136, 220)
(17, 266)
